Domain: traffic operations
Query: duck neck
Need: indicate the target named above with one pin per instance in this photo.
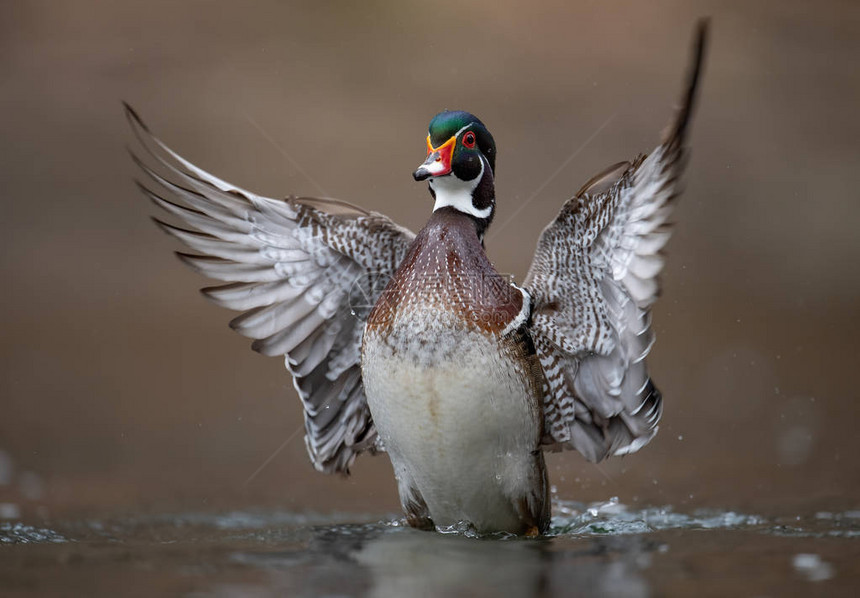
(475, 198)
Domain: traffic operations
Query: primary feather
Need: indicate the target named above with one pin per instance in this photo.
(594, 278)
(289, 266)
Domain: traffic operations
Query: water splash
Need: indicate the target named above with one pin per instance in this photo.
(19, 533)
(614, 518)
(812, 567)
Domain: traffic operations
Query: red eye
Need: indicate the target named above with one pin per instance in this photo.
(469, 140)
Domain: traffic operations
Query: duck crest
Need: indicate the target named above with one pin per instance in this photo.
(446, 280)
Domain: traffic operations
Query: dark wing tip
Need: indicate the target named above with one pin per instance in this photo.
(258, 346)
(160, 224)
(187, 258)
(604, 179)
(702, 27)
(151, 195)
(193, 260)
(174, 230)
(677, 131)
(133, 117)
(700, 47)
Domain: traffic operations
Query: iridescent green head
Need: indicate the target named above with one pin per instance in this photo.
(456, 140)
(460, 166)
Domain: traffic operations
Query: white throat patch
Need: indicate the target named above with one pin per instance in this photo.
(452, 192)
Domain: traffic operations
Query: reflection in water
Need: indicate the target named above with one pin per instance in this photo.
(393, 561)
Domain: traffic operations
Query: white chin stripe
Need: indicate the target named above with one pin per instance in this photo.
(454, 193)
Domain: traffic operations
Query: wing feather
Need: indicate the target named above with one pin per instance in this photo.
(594, 278)
(225, 270)
(289, 266)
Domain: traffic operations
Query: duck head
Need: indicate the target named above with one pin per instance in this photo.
(461, 159)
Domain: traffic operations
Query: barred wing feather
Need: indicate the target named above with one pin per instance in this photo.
(289, 266)
(594, 278)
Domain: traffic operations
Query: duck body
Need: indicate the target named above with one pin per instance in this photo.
(454, 387)
(461, 376)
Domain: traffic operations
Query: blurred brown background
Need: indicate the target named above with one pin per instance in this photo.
(122, 388)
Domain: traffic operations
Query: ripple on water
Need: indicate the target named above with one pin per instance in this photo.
(571, 520)
(18, 533)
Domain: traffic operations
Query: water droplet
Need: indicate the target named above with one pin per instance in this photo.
(31, 485)
(812, 567)
(7, 468)
(9, 510)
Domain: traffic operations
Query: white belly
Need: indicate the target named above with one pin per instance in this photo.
(459, 422)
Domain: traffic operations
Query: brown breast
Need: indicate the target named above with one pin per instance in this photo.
(446, 274)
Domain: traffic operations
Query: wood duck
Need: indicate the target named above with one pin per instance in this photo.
(461, 376)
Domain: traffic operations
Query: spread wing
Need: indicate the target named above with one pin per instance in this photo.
(303, 272)
(593, 280)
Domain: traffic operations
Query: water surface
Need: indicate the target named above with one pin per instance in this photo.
(601, 549)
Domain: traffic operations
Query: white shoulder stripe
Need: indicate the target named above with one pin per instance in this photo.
(525, 311)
